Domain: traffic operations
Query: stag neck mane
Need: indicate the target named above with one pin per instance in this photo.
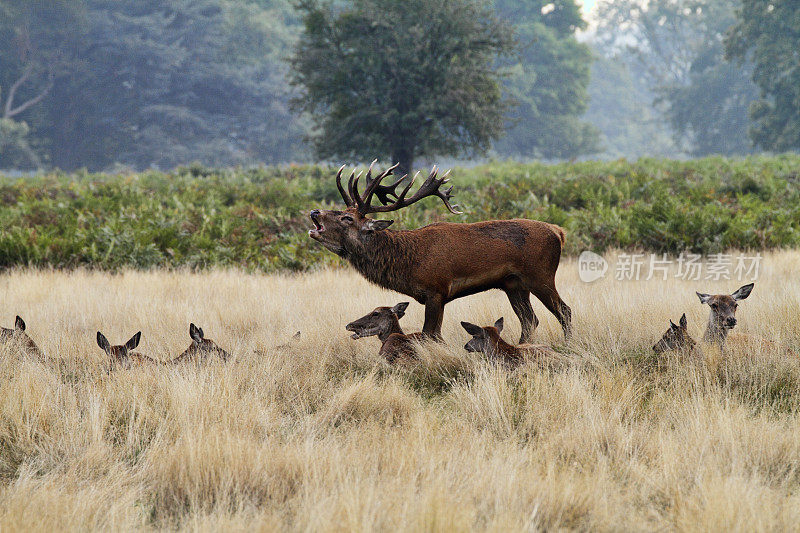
(386, 260)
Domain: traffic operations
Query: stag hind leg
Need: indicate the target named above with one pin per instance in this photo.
(521, 304)
(548, 295)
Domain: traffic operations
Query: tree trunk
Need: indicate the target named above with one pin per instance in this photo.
(405, 159)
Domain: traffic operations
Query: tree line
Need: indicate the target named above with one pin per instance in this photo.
(102, 83)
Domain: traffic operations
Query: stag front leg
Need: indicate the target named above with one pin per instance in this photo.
(434, 314)
(521, 304)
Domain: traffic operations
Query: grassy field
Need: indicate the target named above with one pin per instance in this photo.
(321, 435)
(257, 219)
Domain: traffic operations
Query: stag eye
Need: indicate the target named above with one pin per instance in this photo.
(347, 218)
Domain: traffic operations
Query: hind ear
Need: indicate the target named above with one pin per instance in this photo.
(19, 324)
(400, 309)
(683, 322)
(672, 324)
(134, 341)
(499, 324)
(743, 292)
(102, 342)
(195, 333)
(472, 329)
(703, 297)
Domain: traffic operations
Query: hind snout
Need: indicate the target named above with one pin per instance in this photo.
(730, 322)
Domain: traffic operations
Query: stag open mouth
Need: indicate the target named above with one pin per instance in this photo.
(318, 227)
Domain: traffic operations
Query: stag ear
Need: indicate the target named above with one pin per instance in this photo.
(102, 342)
(377, 225)
(683, 322)
(19, 324)
(743, 292)
(472, 329)
(704, 298)
(400, 309)
(133, 342)
(195, 333)
(499, 324)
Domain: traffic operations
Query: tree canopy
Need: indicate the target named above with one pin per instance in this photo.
(401, 78)
(547, 82)
(768, 32)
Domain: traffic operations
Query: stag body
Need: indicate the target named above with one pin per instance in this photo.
(384, 322)
(438, 263)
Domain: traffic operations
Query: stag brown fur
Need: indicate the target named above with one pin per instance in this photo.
(488, 341)
(439, 263)
(384, 322)
(18, 338)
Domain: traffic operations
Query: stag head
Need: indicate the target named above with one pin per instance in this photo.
(344, 232)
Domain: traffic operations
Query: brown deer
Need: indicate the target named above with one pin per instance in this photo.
(488, 341)
(722, 318)
(385, 323)
(123, 355)
(676, 338)
(201, 348)
(441, 262)
(17, 337)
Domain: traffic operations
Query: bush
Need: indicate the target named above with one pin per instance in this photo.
(256, 219)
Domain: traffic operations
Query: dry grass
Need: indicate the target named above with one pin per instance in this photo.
(321, 435)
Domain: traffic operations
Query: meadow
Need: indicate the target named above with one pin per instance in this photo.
(318, 434)
(256, 219)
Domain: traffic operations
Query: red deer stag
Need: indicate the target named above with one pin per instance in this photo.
(438, 263)
(385, 323)
(18, 338)
(487, 340)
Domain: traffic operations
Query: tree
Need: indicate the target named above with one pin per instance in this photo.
(620, 107)
(37, 48)
(677, 45)
(401, 78)
(548, 81)
(768, 31)
(171, 82)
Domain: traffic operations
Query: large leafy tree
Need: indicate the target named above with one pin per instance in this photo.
(401, 78)
(768, 32)
(678, 47)
(547, 82)
(167, 83)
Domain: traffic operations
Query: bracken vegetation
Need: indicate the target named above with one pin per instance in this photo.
(256, 219)
(317, 433)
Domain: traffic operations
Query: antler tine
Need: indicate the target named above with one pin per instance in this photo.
(353, 186)
(347, 200)
(430, 187)
(373, 186)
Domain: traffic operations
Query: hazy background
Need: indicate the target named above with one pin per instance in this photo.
(102, 84)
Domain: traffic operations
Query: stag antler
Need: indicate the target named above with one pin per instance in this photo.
(430, 187)
(363, 202)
